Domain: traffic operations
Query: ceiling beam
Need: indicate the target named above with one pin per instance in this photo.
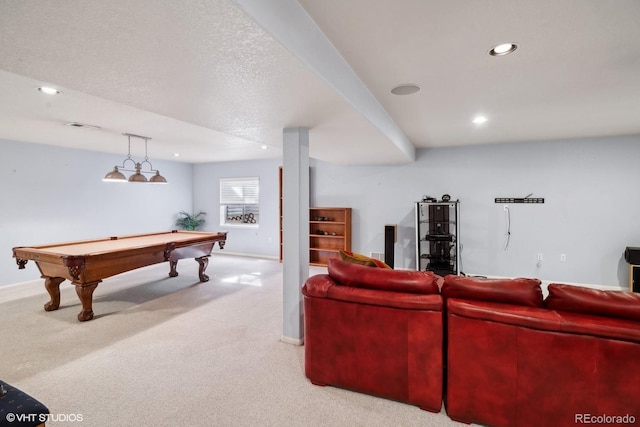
(291, 26)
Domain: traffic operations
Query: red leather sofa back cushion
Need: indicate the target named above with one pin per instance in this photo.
(625, 305)
(521, 291)
(360, 276)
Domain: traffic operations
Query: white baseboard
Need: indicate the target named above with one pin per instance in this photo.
(223, 252)
(294, 341)
(546, 283)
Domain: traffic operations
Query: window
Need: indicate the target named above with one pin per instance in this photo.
(239, 201)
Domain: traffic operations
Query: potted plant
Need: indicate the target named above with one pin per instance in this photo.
(187, 221)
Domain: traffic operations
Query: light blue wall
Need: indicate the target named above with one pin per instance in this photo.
(52, 194)
(590, 213)
(591, 208)
(261, 241)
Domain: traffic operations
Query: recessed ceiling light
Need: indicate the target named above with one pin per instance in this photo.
(264, 147)
(406, 89)
(479, 120)
(503, 49)
(49, 90)
(176, 154)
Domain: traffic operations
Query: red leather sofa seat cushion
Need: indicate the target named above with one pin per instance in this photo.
(625, 305)
(520, 291)
(359, 276)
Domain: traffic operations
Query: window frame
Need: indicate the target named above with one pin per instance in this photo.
(248, 197)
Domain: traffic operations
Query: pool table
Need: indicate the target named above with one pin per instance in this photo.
(85, 263)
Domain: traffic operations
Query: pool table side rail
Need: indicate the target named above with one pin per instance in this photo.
(92, 267)
(55, 248)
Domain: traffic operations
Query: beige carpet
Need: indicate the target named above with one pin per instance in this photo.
(174, 352)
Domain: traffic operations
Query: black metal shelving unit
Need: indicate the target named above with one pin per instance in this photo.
(437, 237)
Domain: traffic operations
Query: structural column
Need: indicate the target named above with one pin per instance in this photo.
(295, 230)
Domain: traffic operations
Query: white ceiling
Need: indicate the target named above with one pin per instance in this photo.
(214, 80)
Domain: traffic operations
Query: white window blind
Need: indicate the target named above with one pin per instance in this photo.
(239, 191)
(239, 201)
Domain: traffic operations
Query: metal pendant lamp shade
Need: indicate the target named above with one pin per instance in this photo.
(138, 177)
(115, 176)
(158, 179)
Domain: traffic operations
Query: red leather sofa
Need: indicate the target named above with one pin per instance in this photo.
(376, 331)
(516, 360)
(509, 357)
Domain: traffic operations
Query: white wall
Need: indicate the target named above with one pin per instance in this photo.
(52, 194)
(591, 210)
(261, 241)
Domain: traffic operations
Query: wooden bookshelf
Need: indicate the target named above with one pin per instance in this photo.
(329, 231)
(337, 227)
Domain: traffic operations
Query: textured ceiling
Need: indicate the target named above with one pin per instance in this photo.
(215, 80)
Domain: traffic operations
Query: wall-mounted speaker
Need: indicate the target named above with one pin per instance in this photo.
(389, 242)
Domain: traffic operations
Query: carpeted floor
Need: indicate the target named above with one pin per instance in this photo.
(174, 352)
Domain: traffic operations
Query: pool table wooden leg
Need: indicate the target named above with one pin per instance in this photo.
(173, 272)
(85, 293)
(52, 284)
(203, 261)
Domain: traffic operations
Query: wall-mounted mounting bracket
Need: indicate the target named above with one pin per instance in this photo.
(519, 199)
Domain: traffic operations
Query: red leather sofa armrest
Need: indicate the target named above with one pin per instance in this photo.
(317, 286)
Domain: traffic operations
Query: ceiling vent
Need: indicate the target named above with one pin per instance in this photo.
(82, 125)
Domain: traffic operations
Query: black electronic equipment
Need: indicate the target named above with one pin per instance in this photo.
(632, 255)
(634, 280)
(390, 232)
(439, 237)
(437, 227)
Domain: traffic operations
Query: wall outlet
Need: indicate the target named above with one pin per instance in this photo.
(539, 257)
(563, 257)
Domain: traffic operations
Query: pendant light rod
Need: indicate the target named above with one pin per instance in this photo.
(133, 135)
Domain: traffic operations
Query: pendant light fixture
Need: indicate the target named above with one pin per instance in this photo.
(116, 176)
